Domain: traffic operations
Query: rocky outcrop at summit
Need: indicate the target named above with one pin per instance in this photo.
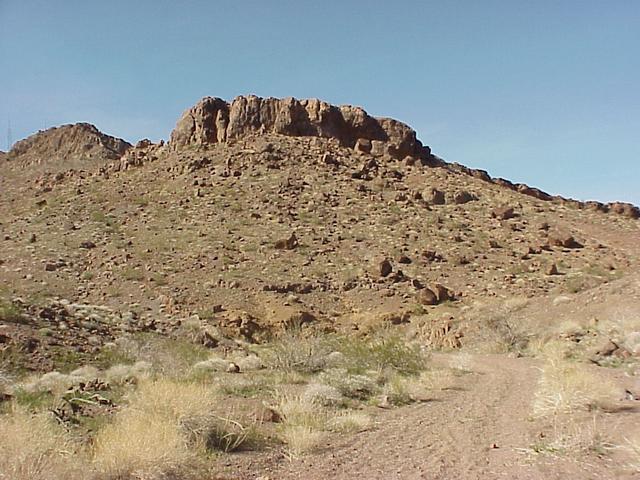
(80, 145)
(212, 120)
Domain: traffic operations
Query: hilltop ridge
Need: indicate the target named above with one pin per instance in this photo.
(79, 145)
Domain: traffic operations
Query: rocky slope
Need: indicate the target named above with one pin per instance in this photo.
(265, 213)
(79, 146)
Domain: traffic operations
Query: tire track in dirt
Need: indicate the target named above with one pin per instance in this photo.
(474, 430)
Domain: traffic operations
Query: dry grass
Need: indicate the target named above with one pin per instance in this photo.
(148, 438)
(565, 387)
(33, 447)
(301, 439)
(571, 437)
(140, 445)
(632, 447)
(303, 424)
(350, 421)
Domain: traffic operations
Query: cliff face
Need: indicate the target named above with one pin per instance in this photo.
(212, 120)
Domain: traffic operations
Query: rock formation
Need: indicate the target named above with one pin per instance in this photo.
(212, 120)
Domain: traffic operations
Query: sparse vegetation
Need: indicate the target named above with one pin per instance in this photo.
(11, 312)
(33, 447)
(565, 386)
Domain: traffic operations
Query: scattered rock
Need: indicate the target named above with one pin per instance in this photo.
(426, 296)
(463, 197)
(503, 213)
(288, 243)
(385, 268)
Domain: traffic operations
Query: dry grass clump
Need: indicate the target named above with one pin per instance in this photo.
(148, 438)
(33, 447)
(301, 439)
(572, 437)
(303, 424)
(565, 387)
(121, 374)
(52, 382)
(350, 421)
(139, 445)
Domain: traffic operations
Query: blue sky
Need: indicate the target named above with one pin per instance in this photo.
(541, 92)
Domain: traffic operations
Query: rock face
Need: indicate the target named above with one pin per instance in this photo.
(70, 146)
(212, 120)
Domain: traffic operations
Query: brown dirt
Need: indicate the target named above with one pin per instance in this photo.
(480, 428)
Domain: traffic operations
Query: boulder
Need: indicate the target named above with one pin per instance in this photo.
(434, 196)
(503, 213)
(426, 296)
(562, 239)
(385, 268)
(463, 197)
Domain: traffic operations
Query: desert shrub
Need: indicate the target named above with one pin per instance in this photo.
(11, 313)
(171, 357)
(296, 352)
(33, 447)
(350, 385)
(121, 374)
(378, 353)
(322, 394)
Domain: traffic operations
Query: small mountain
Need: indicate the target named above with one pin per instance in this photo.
(264, 213)
(79, 146)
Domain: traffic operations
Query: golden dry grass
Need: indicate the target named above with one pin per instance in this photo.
(148, 438)
(303, 424)
(32, 447)
(565, 386)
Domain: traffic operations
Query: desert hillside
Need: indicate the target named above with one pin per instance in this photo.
(289, 226)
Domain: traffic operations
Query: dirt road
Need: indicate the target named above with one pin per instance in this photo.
(480, 428)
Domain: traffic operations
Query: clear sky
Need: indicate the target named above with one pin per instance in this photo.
(545, 92)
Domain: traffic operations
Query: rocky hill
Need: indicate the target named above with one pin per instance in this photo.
(314, 287)
(79, 146)
(265, 213)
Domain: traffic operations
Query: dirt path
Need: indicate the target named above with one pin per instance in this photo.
(475, 430)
